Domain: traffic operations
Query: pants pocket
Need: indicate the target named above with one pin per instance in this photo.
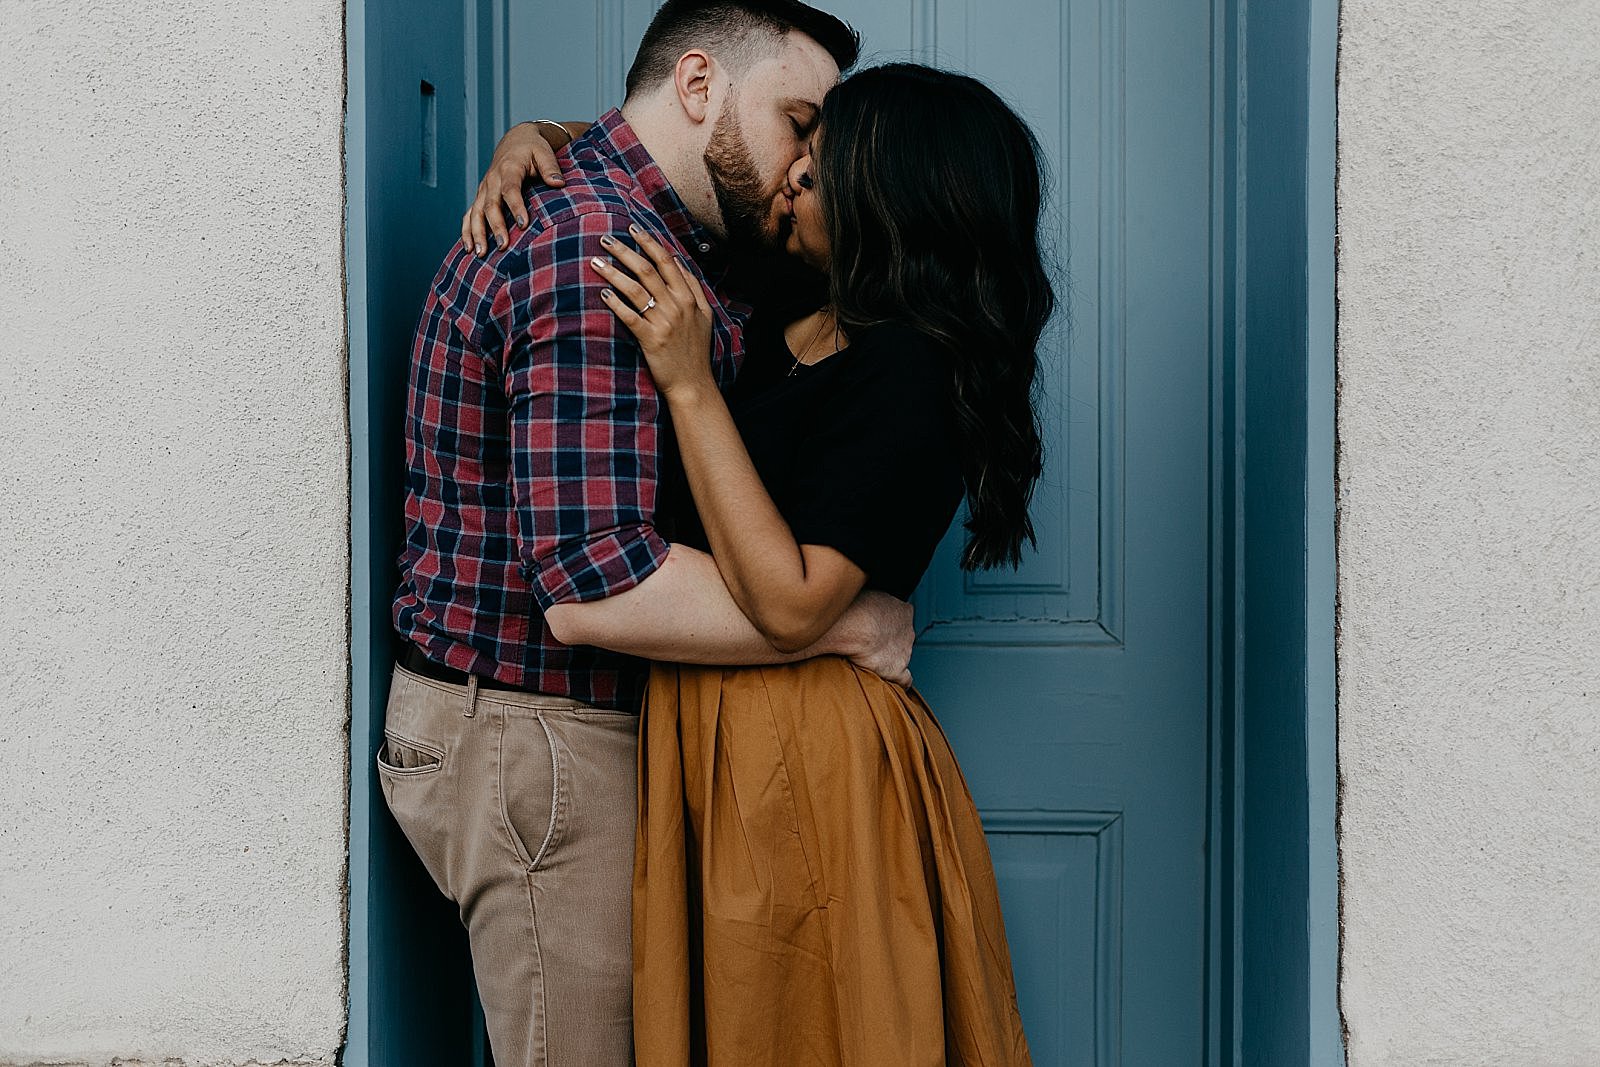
(528, 784)
(409, 772)
(402, 757)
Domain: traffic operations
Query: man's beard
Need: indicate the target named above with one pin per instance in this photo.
(743, 201)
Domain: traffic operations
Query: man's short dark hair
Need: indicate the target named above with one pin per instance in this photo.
(732, 26)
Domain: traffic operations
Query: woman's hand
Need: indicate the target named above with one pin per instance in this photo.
(665, 308)
(526, 151)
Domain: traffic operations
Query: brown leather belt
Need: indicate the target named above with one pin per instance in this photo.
(414, 661)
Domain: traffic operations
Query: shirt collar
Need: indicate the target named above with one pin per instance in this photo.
(612, 137)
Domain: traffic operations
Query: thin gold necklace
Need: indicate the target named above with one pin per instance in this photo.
(826, 315)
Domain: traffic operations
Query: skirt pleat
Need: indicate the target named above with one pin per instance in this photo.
(812, 885)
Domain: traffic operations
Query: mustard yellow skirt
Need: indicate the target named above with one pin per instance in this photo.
(812, 885)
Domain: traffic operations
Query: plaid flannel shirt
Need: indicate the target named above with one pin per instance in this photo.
(535, 436)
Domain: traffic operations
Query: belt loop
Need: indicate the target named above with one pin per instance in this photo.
(472, 696)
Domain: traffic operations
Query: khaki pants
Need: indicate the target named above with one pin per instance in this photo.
(522, 808)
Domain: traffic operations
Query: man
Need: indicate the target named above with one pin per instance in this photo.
(535, 452)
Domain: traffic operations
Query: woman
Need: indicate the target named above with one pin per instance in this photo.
(812, 883)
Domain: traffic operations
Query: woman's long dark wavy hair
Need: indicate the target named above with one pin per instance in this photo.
(931, 189)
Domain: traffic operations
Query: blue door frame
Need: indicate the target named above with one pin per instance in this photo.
(1275, 865)
(1273, 927)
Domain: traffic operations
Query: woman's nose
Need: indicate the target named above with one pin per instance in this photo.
(800, 175)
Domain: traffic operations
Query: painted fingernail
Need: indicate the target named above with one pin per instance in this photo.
(634, 229)
(607, 293)
(478, 248)
(597, 261)
(606, 240)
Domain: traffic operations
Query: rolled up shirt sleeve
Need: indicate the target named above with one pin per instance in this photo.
(585, 425)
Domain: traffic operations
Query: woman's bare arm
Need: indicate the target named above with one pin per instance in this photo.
(528, 150)
(793, 593)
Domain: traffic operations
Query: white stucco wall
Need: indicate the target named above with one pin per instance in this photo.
(1469, 422)
(173, 535)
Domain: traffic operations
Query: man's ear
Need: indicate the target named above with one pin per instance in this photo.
(692, 78)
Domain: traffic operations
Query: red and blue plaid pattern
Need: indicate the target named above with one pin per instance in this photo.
(535, 436)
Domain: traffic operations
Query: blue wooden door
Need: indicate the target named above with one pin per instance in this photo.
(1076, 690)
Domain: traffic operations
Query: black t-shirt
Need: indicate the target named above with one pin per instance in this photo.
(858, 451)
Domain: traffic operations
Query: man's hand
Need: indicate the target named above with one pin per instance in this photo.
(875, 633)
(524, 152)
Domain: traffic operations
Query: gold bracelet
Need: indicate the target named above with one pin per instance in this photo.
(557, 125)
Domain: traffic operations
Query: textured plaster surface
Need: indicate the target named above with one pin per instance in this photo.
(1469, 424)
(174, 532)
